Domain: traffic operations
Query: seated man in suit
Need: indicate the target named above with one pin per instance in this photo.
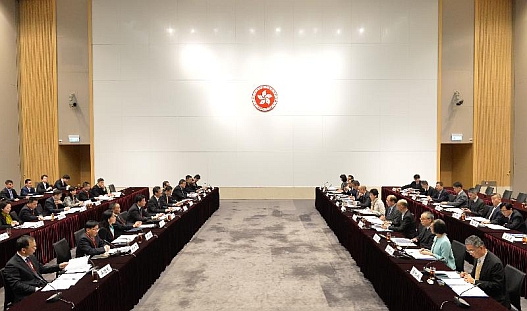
(391, 209)
(427, 190)
(43, 185)
(416, 184)
(511, 219)
(189, 187)
(29, 211)
(99, 189)
(165, 184)
(475, 205)
(9, 193)
(197, 177)
(363, 197)
(62, 184)
(85, 193)
(179, 192)
(28, 189)
(23, 272)
(90, 243)
(487, 273)
(53, 204)
(120, 224)
(154, 204)
(137, 212)
(461, 197)
(494, 214)
(441, 194)
(405, 223)
(166, 201)
(425, 237)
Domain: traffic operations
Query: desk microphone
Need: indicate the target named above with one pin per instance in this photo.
(425, 268)
(462, 302)
(109, 243)
(58, 296)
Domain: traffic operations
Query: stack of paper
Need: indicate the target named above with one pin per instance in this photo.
(125, 238)
(146, 226)
(77, 265)
(403, 242)
(415, 253)
(123, 249)
(64, 281)
(495, 227)
(453, 209)
(374, 220)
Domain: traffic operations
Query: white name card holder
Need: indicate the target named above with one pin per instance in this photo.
(148, 235)
(185, 208)
(161, 224)
(361, 224)
(377, 238)
(508, 237)
(438, 208)
(39, 224)
(416, 274)
(61, 216)
(456, 215)
(354, 217)
(190, 203)
(104, 271)
(390, 250)
(133, 248)
(343, 209)
(83, 208)
(4, 236)
(474, 223)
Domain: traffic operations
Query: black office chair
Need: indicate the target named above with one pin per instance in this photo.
(62, 249)
(514, 283)
(478, 188)
(9, 297)
(124, 215)
(451, 197)
(111, 187)
(489, 190)
(522, 197)
(507, 194)
(78, 234)
(459, 251)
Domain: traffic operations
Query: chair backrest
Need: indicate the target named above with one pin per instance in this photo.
(111, 187)
(78, 235)
(477, 188)
(489, 190)
(521, 197)
(451, 197)
(9, 297)
(459, 251)
(62, 249)
(514, 283)
(124, 215)
(507, 194)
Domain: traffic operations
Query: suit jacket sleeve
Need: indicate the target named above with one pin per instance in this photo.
(13, 278)
(58, 185)
(154, 207)
(87, 248)
(459, 200)
(50, 207)
(40, 188)
(134, 215)
(494, 275)
(83, 196)
(515, 222)
(3, 223)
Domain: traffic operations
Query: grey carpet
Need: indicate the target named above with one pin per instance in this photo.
(263, 255)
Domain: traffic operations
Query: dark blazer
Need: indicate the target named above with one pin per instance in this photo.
(514, 222)
(135, 213)
(190, 188)
(153, 205)
(22, 279)
(3, 221)
(5, 194)
(406, 225)
(27, 214)
(365, 200)
(492, 279)
(496, 216)
(441, 196)
(425, 237)
(84, 195)
(477, 207)
(431, 192)
(460, 199)
(25, 191)
(179, 194)
(106, 234)
(120, 226)
(96, 191)
(86, 246)
(50, 207)
(165, 201)
(392, 213)
(42, 187)
(414, 185)
(60, 185)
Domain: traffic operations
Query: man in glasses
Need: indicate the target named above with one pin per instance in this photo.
(90, 243)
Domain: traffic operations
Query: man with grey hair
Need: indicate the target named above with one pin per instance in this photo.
(425, 237)
(364, 197)
(461, 197)
(391, 209)
(487, 273)
(405, 223)
(475, 205)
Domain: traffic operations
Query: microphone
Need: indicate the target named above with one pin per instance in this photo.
(425, 268)
(58, 296)
(462, 302)
(108, 242)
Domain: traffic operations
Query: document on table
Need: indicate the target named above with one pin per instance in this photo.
(495, 227)
(374, 220)
(403, 242)
(479, 219)
(453, 210)
(147, 226)
(125, 238)
(365, 211)
(448, 274)
(415, 253)
(124, 249)
(468, 289)
(76, 265)
(64, 281)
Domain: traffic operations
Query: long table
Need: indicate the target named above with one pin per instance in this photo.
(514, 254)
(389, 275)
(133, 274)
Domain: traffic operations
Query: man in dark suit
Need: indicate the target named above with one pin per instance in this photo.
(494, 212)
(28, 189)
(441, 195)
(9, 193)
(475, 205)
(425, 237)
(487, 273)
(120, 224)
(189, 187)
(23, 272)
(461, 197)
(136, 211)
(53, 204)
(154, 204)
(391, 209)
(179, 192)
(511, 219)
(197, 177)
(416, 184)
(29, 211)
(84, 194)
(99, 189)
(43, 185)
(405, 223)
(427, 190)
(364, 197)
(90, 243)
(166, 201)
(62, 184)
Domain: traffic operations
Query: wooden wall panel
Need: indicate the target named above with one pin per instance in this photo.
(493, 91)
(38, 89)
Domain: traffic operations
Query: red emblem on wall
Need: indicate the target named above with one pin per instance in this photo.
(264, 98)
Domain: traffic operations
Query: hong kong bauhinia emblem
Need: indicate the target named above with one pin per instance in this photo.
(265, 98)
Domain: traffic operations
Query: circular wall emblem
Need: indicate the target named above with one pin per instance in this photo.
(264, 98)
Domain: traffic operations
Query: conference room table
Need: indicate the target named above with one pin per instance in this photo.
(132, 275)
(390, 275)
(514, 254)
(53, 231)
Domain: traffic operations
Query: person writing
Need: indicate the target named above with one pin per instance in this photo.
(441, 248)
(90, 243)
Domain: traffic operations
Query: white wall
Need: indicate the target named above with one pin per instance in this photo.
(356, 82)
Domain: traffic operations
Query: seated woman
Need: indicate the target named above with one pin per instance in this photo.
(106, 230)
(71, 199)
(6, 219)
(441, 248)
(377, 206)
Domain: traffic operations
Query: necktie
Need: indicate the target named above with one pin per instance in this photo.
(478, 270)
(493, 211)
(30, 264)
(10, 193)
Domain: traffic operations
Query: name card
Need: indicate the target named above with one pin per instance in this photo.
(190, 203)
(418, 275)
(133, 248)
(104, 271)
(474, 223)
(4, 236)
(439, 208)
(199, 198)
(394, 189)
(354, 217)
(97, 203)
(39, 224)
(456, 215)
(148, 235)
(161, 224)
(390, 250)
(61, 216)
(204, 195)
(377, 238)
(508, 237)
(185, 208)
(343, 209)
(337, 203)
(83, 208)
(361, 224)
